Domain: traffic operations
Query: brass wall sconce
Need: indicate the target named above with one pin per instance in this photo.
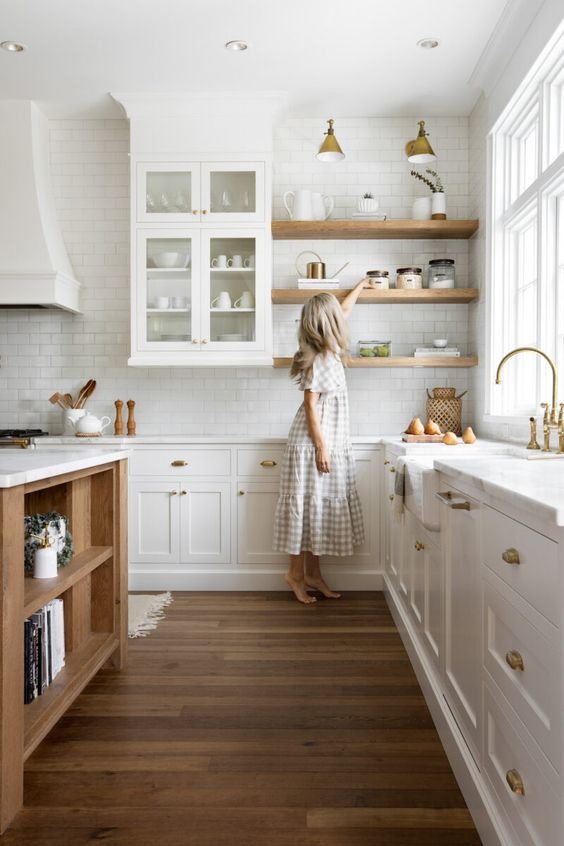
(330, 150)
(419, 151)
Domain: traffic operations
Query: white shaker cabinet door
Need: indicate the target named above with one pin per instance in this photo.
(204, 522)
(367, 484)
(433, 613)
(154, 522)
(460, 524)
(256, 504)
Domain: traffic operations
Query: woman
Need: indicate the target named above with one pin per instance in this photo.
(318, 511)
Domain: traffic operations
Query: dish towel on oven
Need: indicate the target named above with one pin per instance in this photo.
(399, 488)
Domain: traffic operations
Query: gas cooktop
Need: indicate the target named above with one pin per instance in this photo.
(22, 433)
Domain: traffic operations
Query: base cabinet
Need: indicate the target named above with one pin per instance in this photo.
(256, 504)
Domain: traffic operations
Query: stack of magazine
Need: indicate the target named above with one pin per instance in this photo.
(437, 352)
(318, 284)
(44, 648)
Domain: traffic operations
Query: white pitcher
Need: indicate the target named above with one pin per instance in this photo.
(302, 204)
(323, 205)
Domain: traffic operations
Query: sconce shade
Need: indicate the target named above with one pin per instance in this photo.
(330, 150)
(419, 151)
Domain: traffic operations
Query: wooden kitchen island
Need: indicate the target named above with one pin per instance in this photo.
(91, 491)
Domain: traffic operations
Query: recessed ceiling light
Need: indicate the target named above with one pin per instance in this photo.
(428, 43)
(236, 45)
(12, 46)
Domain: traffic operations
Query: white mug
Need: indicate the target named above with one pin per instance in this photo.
(69, 419)
(179, 302)
(421, 209)
(222, 301)
(246, 300)
(302, 204)
(322, 205)
(237, 261)
(162, 302)
(221, 261)
(249, 261)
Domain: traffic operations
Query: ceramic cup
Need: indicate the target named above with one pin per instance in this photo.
(221, 261)
(70, 417)
(421, 209)
(249, 261)
(162, 302)
(223, 300)
(179, 302)
(237, 261)
(246, 300)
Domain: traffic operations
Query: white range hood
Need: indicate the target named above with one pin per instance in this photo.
(34, 266)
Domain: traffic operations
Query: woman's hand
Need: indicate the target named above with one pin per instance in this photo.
(368, 282)
(322, 460)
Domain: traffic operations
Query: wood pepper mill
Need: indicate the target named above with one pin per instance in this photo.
(130, 418)
(118, 425)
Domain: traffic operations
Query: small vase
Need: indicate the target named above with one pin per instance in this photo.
(421, 209)
(438, 205)
(368, 204)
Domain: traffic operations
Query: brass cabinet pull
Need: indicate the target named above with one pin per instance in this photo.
(268, 462)
(194, 211)
(205, 341)
(448, 499)
(419, 546)
(511, 556)
(515, 782)
(390, 497)
(178, 462)
(392, 469)
(386, 461)
(173, 493)
(241, 493)
(183, 493)
(204, 211)
(515, 660)
(195, 341)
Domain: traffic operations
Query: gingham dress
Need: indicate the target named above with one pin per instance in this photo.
(320, 512)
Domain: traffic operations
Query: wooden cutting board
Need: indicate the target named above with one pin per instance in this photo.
(422, 439)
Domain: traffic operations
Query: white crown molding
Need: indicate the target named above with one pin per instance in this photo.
(508, 34)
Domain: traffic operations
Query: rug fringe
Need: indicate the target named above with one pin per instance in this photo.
(155, 613)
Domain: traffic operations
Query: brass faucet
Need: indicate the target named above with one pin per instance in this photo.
(550, 420)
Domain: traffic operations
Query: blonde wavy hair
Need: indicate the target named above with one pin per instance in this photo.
(323, 329)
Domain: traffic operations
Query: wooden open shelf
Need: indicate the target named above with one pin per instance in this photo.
(37, 592)
(80, 666)
(399, 361)
(445, 296)
(300, 230)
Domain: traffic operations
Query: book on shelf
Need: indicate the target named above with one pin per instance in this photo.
(314, 284)
(44, 648)
(437, 352)
(357, 215)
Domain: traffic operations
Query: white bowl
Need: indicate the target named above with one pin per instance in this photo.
(170, 259)
(440, 342)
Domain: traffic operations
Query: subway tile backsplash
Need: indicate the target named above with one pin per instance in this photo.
(44, 351)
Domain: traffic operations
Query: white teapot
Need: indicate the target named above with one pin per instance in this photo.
(89, 424)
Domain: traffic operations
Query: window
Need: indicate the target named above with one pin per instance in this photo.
(527, 243)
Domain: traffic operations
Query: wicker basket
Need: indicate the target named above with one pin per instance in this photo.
(445, 408)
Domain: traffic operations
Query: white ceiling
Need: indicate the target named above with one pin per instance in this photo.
(347, 57)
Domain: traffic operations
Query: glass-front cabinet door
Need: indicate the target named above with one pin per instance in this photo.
(168, 192)
(232, 295)
(168, 293)
(232, 191)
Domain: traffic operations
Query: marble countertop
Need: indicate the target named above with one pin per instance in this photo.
(19, 466)
(537, 486)
(158, 440)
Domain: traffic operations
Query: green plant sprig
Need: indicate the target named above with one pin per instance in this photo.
(435, 184)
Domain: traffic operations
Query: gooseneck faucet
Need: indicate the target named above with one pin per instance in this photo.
(552, 414)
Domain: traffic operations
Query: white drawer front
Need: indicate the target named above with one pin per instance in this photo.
(535, 815)
(535, 577)
(512, 642)
(264, 462)
(181, 462)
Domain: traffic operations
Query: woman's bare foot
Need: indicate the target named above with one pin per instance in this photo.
(300, 592)
(322, 586)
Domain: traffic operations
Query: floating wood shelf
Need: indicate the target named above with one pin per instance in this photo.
(300, 230)
(400, 361)
(38, 592)
(291, 296)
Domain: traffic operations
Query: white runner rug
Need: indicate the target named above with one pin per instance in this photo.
(145, 611)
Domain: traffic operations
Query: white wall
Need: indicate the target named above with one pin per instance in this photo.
(44, 351)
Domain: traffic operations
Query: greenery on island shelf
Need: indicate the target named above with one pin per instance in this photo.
(435, 183)
(34, 532)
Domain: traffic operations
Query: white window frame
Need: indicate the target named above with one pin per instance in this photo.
(543, 91)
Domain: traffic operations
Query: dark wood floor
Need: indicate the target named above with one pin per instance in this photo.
(250, 720)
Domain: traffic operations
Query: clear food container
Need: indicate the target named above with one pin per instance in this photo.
(380, 278)
(374, 349)
(441, 273)
(409, 278)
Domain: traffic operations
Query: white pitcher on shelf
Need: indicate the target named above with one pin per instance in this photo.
(323, 205)
(302, 204)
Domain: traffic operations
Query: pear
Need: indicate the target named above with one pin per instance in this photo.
(450, 439)
(468, 437)
(432, 428)
(415, 427)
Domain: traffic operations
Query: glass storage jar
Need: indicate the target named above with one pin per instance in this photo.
(441, 273)
(374, 349)
(409, 278)
(380, 278)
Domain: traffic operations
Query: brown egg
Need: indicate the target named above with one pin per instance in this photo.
(468, 437)
(432, 428)
(416, 427)
(450, 439)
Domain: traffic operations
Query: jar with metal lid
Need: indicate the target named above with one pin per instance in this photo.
(441, 273)
(409, 278)
(380, 278)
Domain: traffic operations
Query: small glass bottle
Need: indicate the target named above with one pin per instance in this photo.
(45, 558)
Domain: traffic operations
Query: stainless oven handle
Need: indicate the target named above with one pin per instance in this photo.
(453, 501)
